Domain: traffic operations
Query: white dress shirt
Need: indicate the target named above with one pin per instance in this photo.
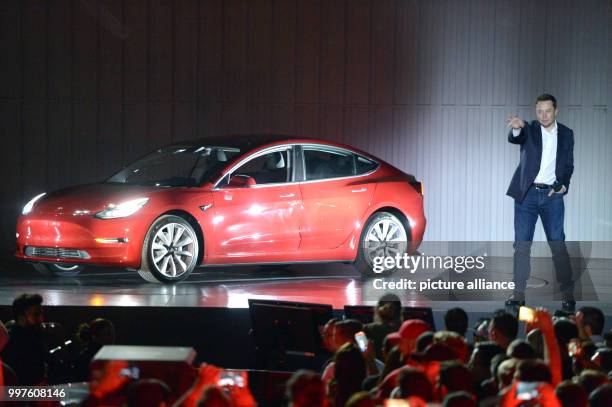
(546, 175)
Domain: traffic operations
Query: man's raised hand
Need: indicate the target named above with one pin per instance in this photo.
(515, 122)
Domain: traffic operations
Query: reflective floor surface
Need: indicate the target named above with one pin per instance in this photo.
(335, 284)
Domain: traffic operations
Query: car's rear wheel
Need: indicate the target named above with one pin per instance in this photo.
(58, 269)
(170, 250)
(384, 235)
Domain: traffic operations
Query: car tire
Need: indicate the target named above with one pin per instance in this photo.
(170, 250)
(57, 269)
(394, 238)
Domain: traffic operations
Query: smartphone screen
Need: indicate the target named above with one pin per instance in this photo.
(361, 340)
(526, 314)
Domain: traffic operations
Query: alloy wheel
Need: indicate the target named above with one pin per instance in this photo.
(173, 250)
(386, 237)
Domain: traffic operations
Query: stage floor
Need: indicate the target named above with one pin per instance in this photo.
(335, 284)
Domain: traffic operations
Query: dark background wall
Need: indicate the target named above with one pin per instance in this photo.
(86, 86)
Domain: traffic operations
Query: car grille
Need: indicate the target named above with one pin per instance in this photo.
(56, 252)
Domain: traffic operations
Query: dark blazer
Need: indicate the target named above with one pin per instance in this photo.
(530, 139)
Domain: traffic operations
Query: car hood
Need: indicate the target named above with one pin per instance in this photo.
(89, 199)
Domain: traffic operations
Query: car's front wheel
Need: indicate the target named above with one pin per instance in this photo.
(384, 236)
(170, 250)
(58, 269)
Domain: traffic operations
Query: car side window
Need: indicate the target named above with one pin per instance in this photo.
(271, 168)
(364, 165)
(323, 164)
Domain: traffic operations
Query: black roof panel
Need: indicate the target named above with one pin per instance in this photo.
(242, 141)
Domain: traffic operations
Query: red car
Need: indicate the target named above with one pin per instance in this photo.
(233, 200)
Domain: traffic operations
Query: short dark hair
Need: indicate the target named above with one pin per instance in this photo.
(303, 384)
(572, 394)
(591, 379)
(348, 327)
(533, 370)
(455, 377)
(594, 318)
(456, 320)
(414, 382)
(565, 330)
(485, 352)
(588, 349)
(536, 340)
(602, 396)
(389, 308)
(459, 399)
(505, 324)
(605, 359)
(350, 371)
(439, 352)
(546, 96)
(520, 349)
(22, 303)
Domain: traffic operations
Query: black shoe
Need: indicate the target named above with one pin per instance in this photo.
(568, 305)
(516, 300)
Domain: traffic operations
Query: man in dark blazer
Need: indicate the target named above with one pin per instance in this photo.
(538, 186)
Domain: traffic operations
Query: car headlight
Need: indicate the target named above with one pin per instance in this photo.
(28, 207)
(122, 210)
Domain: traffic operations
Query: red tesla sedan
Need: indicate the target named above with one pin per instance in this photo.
(233, 200)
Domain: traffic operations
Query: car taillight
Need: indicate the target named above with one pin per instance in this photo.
(418, 186)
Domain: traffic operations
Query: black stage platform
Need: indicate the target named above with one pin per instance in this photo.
(210, 309)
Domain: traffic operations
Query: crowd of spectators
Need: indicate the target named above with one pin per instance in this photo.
(35, 352)
(559, 361)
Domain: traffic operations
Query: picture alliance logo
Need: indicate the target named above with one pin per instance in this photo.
(459, 264)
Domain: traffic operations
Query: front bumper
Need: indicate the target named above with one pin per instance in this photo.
(79, 240)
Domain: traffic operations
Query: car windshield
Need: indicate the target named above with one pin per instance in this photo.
(176, 166)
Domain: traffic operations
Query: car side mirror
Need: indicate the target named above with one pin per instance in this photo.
(241, 181)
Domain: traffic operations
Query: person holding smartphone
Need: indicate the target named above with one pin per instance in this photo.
(538, 187)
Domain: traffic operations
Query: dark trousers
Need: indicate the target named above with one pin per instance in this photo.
(551, 211)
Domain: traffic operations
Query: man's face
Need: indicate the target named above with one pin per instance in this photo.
(546, 113)
(33, 316)
(328, 337)
(492, 332)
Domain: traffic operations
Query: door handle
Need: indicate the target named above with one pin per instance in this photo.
(360, 190)
(287, 195)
